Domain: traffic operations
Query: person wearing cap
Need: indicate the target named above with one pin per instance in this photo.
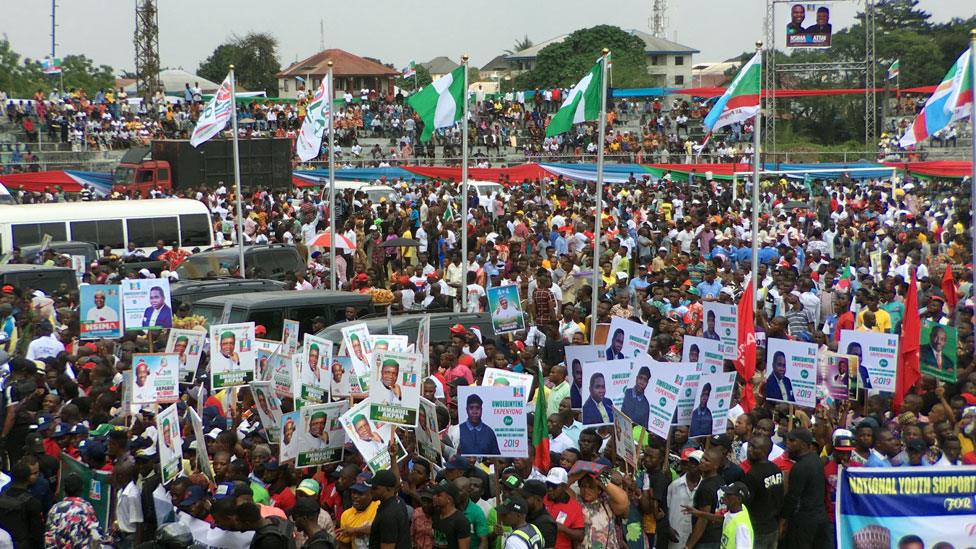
(305, 514)
(451, 528)
(46, 344)
(312, 363)
(765, 482)
(534, 492)
(804, 518)
(512, 513)
(318, 435)
(680, 494)
(366, 438)
(566, 510)
(356, 522)
(737, 532)
(389, 392)
(391, 526)
(100, 312)
(476, 438)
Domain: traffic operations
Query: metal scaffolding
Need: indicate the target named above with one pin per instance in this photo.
(147, 49)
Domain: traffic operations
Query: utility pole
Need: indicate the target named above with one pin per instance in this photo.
(658, 21)
(54, 26)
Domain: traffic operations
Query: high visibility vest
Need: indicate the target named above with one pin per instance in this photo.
(729, 528)
(531, 535)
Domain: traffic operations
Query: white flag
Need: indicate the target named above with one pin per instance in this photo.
(309, 141)
(215, 115)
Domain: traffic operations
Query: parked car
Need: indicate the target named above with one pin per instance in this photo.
(189, 292)
(38, 277)
(73, 247)
(268, 261)
(407, 324)
(269, 309)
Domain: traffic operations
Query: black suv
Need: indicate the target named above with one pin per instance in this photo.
(269, 261)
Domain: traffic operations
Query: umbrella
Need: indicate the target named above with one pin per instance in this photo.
(400, 242)
(324, 240)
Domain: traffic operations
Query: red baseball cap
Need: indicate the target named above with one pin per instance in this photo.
(260, 330)
(458, 329)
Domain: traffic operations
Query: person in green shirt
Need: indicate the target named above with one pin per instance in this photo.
(474, 514)
(894, 308)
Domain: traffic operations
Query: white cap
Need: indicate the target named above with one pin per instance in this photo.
(213, 433)
(39, 293)
(557, 476)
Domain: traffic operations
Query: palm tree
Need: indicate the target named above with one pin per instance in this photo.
(522, 44)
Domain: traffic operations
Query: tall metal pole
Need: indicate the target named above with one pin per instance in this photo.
(756, 140)
(54, 9)
(237, 174)
(330, 90)
(972, 175)
(598, 210)
(464, 190)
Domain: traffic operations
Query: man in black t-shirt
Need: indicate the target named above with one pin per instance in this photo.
(706, 533)
(765, 482)
(451, 529)
(391, 525)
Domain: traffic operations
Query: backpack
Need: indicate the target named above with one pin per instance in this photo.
(278, 533)
(13, 516)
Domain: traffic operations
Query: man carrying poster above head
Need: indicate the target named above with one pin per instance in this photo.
(476, 438)
(597, 409)
(101, 313)
(701, 417)
(615, 350)
(158, 314)
(710, 332)
(636, 406)
(389, 391)
(778, 386)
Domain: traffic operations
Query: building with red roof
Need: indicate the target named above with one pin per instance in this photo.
(351, 72)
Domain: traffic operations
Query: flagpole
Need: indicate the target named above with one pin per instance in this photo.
(972, 125)
(598, 210)
(756, 140)
(237, 174)
(464, 190)
(332, 200)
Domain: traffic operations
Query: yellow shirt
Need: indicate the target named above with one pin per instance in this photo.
(351, 518)
(882, 321)
(407, 250)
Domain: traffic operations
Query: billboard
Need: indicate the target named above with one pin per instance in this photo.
(808, 26)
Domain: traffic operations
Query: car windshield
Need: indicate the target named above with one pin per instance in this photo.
(197, 267)
(123, 175)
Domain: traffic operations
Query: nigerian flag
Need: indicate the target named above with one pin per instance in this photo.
(582, 103)
(440, 104)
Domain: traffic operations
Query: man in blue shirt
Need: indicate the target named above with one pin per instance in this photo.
(635, 404)
(476, 438)
(710, 287)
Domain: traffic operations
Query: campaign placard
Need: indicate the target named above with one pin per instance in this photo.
(506, 309)
(146, 303)
(203, 459)
(906, 507)
(623, 438)
(322, 434)
(395, 387)
(155, 378)
(708, 352)
(809, 25)
(384, 342)
(188, 345)
(428, 440)
(316, 354)
(170, 443)
(666, 385)
(712, 404)
(877, 357)
(627, 339)
(937, 354)
(492, 423)
(263, 349)
(345, 382)
(289, 336)
(834, 373)
(496, 377)
(791, 372)
(721, 323)
(689, 389)
(280, 371)
(371, 439)
(423, 341)
(603, 389)
(355, 339)
(576, 357)
(290, 437)
(100, 311)
(269, 408)
(233, 357)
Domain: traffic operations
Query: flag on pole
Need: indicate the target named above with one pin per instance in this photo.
(950, 102)
(440, 104)
(893, 70)
(908, 360)
(581, 104)
(745, 360)
(215, 114)
(540, 425)
(309, 142)
(51, 66)
(409, 70)
(740, 101)
(949, 289)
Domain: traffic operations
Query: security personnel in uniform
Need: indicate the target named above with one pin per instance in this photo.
(512, 513)
(737, 530)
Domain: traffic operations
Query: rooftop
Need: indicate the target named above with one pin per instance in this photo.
(440, 65)
(344, 64)
(654, 46)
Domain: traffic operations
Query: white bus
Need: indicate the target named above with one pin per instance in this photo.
(108, 223)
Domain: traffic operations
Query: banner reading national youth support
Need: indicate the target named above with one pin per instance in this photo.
(906, 507)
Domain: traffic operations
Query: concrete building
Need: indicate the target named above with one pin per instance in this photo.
(668, 63)
(351, 72)
(439, 66)
(709, 75)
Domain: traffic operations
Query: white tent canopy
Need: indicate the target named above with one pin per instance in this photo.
(174, 80)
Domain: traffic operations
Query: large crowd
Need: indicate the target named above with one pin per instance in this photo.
(668, 245)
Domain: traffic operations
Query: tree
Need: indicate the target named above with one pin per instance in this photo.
(81, 72)
(413, 83)
(255, 60)
(564, 63)
(21, 78)
(523, 44)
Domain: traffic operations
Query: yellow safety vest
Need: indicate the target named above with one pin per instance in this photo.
(535, 541)
(729, 528)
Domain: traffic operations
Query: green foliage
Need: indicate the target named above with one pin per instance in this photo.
(422, 79)
(21, 78)
(255, 60)
(523, 44)
(81, 72)
(564, 63)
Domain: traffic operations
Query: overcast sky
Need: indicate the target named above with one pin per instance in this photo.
(394, 31)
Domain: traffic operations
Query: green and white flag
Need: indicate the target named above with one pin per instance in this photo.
(582, 103)
(316, 122)
(740, 101)
(440, 104)
(215, 115)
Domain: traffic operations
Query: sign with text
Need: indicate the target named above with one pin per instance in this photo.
(877, 356)
(791, 372)
(721, 323)
(492, 423)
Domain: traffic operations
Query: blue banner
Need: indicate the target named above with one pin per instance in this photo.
(906, 507)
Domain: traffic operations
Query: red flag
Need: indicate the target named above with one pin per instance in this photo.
(949, 289)
(540, 427)
(911, 329)
(745, 361)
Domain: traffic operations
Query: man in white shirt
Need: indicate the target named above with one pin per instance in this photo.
(101, 313)
(46, 345)
(681, 493)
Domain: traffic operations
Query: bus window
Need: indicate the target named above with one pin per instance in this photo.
(31, 233)
(194, 230)
(165, 229)
(146, 231)
(101, 233)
